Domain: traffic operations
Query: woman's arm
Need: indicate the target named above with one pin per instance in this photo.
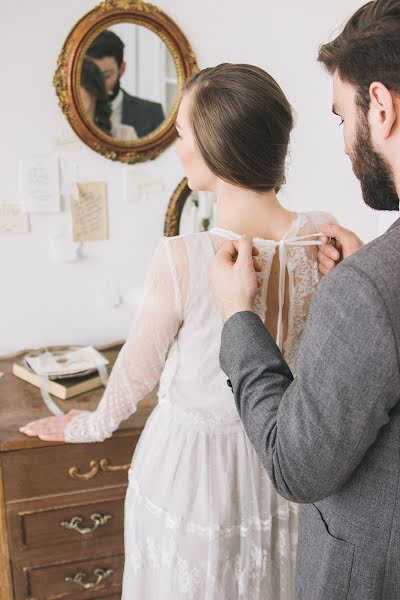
(139, 364)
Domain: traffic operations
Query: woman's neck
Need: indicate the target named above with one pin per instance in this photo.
(258, 214)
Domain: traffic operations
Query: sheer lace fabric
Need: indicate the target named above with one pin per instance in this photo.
(202, 520)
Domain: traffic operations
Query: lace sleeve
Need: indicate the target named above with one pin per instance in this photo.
(139, 364)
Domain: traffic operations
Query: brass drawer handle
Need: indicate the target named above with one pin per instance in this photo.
(94, 469)
(98, 521)
(101, 574)
(105, 466)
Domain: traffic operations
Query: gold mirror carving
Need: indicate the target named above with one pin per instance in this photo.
(142, 24)
(189, 211)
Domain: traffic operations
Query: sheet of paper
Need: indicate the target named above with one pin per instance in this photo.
(138, 184)
(67, 140)
(89, 212)
(40, 184)
(13, 219)
(66, 363)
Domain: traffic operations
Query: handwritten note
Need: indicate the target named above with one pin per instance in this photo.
(89, 212)
(40, 184)
(13, 219)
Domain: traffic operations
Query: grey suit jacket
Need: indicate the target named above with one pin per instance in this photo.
(330, 438)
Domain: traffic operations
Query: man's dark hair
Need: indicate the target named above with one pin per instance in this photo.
(367, 50)
(107, 43)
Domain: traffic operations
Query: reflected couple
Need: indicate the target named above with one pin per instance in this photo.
(125, 110)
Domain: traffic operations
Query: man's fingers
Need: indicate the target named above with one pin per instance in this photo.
(330, 251)
(323, 270)
(257, 264)
(346, 240)
(245, 251)
(228, 252)
(325, 264)
(255, 251)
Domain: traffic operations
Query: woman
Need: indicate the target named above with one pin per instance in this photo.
(96, 104)
(202, 520)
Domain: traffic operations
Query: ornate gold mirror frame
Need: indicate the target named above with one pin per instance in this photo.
(175, 208)
(68, 74)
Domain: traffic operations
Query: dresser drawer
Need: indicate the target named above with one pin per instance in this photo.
(67, 468)
(87, 518)
(74, 580)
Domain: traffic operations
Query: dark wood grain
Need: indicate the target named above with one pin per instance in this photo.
(38, 523)
(47, 581)
(44, 472)
(37, 493)
(21, 402)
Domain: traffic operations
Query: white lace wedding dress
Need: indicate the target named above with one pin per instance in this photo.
(202, 521)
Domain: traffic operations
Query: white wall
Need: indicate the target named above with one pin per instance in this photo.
(47, 302)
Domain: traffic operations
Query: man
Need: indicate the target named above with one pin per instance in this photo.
(107, 51)
(330, 439)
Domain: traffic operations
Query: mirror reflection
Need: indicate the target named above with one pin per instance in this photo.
(199, 213)
(129, 82)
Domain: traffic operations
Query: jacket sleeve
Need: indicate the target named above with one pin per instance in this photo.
(312, 432)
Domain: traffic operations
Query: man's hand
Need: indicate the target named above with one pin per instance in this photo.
(343, 243)
(233, 276)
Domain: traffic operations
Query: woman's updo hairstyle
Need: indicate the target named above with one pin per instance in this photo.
(242, 122)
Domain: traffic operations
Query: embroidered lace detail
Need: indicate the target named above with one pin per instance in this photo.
(176, 524)
(303, 275)
(251, 582)
(266, 256)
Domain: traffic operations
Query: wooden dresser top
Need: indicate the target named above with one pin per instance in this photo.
(21, 402)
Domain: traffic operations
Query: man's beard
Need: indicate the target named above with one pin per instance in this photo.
(112, 94)
(374, 172)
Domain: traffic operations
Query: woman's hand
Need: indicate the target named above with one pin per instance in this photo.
(50, 429)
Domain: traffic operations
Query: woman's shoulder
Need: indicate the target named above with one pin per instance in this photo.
(188, 238)
(308, 223)
(182, 246)
(319, 217)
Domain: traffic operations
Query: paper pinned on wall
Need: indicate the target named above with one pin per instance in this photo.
(13, 219)
(140, 183)
(67, 140)
(89, 212)
(40, 184)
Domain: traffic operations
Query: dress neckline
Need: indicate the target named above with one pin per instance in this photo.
(257, 240)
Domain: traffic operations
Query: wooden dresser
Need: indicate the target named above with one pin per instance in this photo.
(61, 505)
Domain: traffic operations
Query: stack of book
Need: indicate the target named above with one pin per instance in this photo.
(69, 371)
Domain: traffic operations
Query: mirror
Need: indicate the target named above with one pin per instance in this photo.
(119, 79)
(190, 212)
(129, 82)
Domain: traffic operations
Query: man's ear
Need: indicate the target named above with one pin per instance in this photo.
(122, 68)
(384, 109)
